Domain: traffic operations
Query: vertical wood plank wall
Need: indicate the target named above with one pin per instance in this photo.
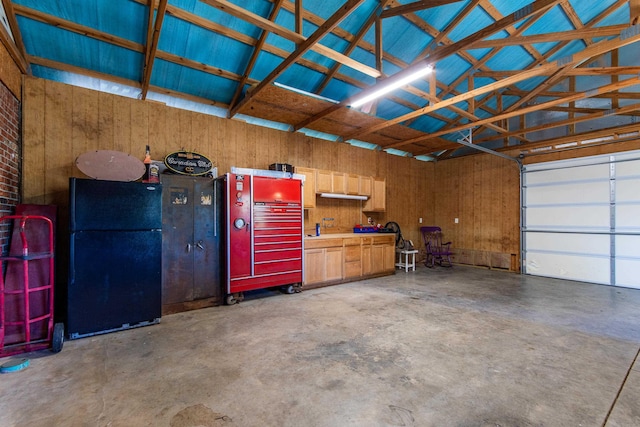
(483, 192)
(61, 122)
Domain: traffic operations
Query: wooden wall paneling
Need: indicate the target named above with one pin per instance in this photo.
(59, 158)
(320, 155)
(84, 124)
(495, 189)
(468, 215)
(33, 134)
(214, 124)
(223, 156)
(122, 128)
(157, 131)
(10, 72)
(175, 139)
(276, 152)
(200, 135)
(510, 230)
(140, 129)
(185, 128)
(105, 122)
(482, 193)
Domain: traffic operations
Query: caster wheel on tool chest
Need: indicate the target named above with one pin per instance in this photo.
(287, 289)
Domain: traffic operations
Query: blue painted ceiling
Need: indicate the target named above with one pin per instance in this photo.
(204, 50)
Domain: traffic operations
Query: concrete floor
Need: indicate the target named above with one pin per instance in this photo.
(442, 347)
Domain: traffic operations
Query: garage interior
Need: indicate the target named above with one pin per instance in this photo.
(520, 139)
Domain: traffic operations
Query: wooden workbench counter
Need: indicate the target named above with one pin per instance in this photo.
(346, 257)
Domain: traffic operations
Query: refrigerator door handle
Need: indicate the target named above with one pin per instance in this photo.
(199, 245)
(188, 248)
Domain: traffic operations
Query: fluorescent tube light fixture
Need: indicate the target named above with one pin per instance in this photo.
(386, 89)
(342, 196)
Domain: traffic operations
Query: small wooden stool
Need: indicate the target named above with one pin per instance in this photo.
(406, 264)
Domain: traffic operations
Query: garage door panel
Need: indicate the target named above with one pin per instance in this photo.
(594, 269)
(627, 273)
(581, 219)
(628, 189)
(592, 218)
(577, 244)
(556, 176)
(628, 217)
(628, 246)
(627, 169)
(570, 193)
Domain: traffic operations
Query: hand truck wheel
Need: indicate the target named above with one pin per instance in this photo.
(57, 340)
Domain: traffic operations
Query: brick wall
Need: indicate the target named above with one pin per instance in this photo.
(9, 158)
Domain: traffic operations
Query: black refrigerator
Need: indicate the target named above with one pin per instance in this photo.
(115, 271)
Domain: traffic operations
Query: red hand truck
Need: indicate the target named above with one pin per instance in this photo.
(26, 292)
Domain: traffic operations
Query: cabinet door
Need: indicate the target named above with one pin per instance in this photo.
(389, 257)
(309, 189)
(365, 185)
(366, 259)
(377, 259)
(177, 239)
(338, 183)
(324, 181)
(314, 266)
(353, 184)
(333, 260)
(206, 238)
(377, 200)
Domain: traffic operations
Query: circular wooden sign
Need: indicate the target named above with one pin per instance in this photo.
(110, 165)
(188, 163)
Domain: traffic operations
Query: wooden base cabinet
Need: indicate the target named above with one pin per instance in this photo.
(352, 258)
(348, 257)
(322, 265)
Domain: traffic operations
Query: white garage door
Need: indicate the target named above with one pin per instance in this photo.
(581, 219)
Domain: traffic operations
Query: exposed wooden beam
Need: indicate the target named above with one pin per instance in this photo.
(527, 110)
(612, 30)
(445, 33)
(303, 47)
(298, 15)
(612, 8)
(581, 71)
(596, 49)
(267, 25)
(488, 6)
(151, 13)
(77, 28)
(378, 38)
(15, 45)
(617, 132)
(414, 7)
(352, 45)
(443, 52)
(634, 12)
(152, 48)
(36, 60)
(633, 109)
(257, 49)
